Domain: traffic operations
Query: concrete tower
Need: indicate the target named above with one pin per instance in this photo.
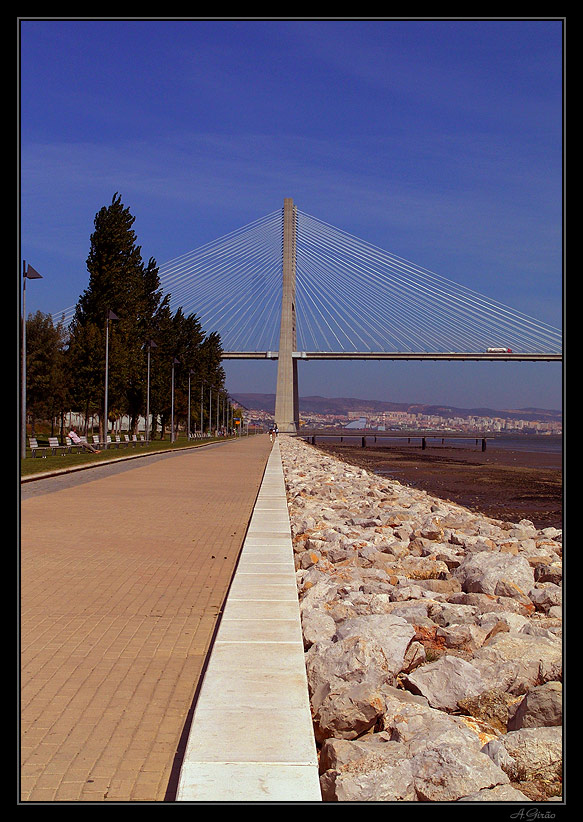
(287, 414)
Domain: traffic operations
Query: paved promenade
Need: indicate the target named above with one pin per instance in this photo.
(123, 578)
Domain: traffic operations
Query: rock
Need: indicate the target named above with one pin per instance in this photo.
(317, 626)
(445, 682)
(542, 706)
(348, 711)
(545, 596)
(518, 662)
(417, 725)
(432, 528)
(446, 613)
(493, 706)
(392, 633)
(463, 637)
(499, 793)
(366, 773)
(344, 680)
(432, 639)
(529, 754)
(496, 574)
(446, 773)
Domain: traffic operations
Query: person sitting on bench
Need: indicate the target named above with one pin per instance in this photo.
(76, 440)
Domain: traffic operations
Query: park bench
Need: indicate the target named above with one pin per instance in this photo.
(99, 443)
(74, 447)
(57, 448)
(34, 447)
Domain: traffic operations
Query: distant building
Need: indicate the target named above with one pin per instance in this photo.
(359, 423)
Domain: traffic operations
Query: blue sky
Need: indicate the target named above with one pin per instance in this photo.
(439, 141)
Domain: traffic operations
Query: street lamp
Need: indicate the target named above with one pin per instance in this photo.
(109, 316)
(190, 373)
(174, 362)
(28, 273)
(151, 344)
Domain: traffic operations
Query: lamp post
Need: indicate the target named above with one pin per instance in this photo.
(174, 362)
(109, 316)
(190, 373)
(28, 273)
(151, 344)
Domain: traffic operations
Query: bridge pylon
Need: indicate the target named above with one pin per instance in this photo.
(287, 412)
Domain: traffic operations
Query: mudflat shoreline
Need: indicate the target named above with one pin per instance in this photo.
(503, 484)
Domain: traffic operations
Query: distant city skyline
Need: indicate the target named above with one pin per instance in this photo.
(318, 413)
(352, 405)
(440, 141)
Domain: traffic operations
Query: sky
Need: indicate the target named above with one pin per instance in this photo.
(440, 141)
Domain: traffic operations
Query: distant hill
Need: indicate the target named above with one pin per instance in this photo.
(342, 405)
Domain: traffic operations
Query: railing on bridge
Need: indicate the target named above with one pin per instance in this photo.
(394, 355)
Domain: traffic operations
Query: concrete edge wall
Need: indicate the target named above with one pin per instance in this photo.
(251, 738)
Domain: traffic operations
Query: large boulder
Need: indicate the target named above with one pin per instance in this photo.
(372, 770)
(492, 706)
(540, 707)
(517, 662)
(344, 682)
(529, 755)
(416, 725)
(497, 574)
(445, 682)
(392, 633)
(446, 773)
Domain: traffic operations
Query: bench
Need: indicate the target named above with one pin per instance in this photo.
(99, 443)
(56, 447)
(74, 447)
(34, 447)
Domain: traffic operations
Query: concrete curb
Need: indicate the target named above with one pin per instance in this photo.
(251, 738)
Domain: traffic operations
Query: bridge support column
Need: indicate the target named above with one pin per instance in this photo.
(287, 416)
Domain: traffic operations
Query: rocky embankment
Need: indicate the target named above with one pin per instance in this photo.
(433, 640)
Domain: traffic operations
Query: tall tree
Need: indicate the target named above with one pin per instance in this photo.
(178, 337)
(47, 383)
(119, 282)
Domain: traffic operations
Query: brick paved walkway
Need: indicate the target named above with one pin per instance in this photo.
(122, 583)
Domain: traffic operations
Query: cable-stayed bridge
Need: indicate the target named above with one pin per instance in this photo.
(291, 287)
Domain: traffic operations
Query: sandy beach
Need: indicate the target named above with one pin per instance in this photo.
(504, 484)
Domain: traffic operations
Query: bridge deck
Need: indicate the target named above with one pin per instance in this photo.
(395, 355)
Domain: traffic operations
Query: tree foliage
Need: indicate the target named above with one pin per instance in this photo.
(47, 384)
(120, 282)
